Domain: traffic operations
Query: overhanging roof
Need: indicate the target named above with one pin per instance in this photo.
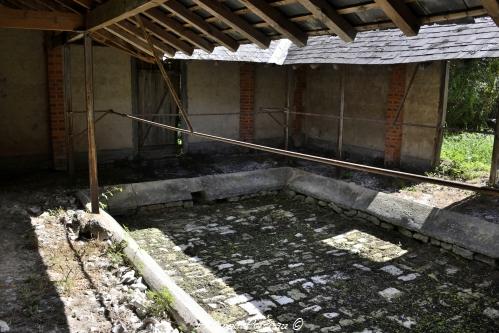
(186, 25)
(436, 42)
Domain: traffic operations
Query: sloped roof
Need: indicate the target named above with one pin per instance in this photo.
(434, 42)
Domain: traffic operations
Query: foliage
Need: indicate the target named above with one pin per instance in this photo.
(108, 193)
(115, 252)
(161, 302)
(466, 155)
(473, 93)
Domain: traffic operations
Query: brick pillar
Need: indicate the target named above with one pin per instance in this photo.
(299, 97)
(393, 132)
(55, 65)
(247, 102)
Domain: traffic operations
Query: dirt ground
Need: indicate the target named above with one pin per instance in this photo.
(49, 282)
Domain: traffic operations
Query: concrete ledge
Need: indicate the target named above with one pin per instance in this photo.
(185, 309)
(440, 225)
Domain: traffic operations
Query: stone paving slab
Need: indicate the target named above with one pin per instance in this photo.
(264, 264)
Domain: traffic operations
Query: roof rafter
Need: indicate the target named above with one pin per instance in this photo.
(325, 13)
(130, 39)
(39, 20)
(167, 37)
(159, 17)
(401, 15)
(492, 8)
(277, 20)
(234, 21)
(135, 30)
(114, 11)
(199, 23)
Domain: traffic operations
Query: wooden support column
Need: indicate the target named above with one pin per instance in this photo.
(92, 151)
(494, 168)
(442, 113)
(339, 147)
(68, 107)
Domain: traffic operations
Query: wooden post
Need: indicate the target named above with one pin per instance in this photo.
(494, 168)
(288, 107)
(92, 151)
(442, 113)
(339, 141)
(68, 107)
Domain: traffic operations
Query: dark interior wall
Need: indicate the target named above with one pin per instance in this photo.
(24, 125)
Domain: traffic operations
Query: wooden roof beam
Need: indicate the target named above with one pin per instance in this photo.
(492, 8)
(167, 37)
(161, 18)
(199, 23)
(106, 38)
(135, 30)
(113, 11)
(277, 21)
(237, 23)
(39, 20)
(130, 39)
(324, 12)
(401, 15)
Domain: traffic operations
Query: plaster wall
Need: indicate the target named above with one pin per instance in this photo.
(24, 124)
(112, 90)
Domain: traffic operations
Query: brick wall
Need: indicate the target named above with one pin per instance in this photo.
(393, 132)
(299, 97)
(55, 65)
(247, 102)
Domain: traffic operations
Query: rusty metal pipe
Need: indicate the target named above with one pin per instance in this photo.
(324, 160)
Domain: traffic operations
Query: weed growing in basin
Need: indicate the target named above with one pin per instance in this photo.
(116, 254)
(56, 212)
(161, 302)
(108, 193)
(466, 155)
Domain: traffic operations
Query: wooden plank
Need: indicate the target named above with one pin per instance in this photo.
(277, 20)
(135, 30)
(199, 23)
(129, 38)
(166, 78)
(494, 168)
(113, 11)
(108, 39)
(84, 3)
(339, 141)
(89, 105)
(325, 13)
(442, 113)
(39, 20)
(401, 15)
(492, 8)
(68, 111)
(161, 18)
(236, 22)
(167, 37)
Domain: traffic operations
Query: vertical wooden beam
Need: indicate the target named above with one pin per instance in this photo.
(289, 71)
(68, 107)
(89, 104)
(492, 8)
(339, 141)
(442, 113)
(494, 168)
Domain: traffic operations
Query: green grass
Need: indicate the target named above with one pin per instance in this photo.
(466, 156)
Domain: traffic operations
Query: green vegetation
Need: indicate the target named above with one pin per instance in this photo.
(473, 93)
(116, 254)
(161, 302)
(108, 193)
(466, 155)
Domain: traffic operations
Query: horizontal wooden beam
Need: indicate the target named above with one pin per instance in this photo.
(113, 11)
(324, 12)
(277, 20)
(199, 23)
(39, 20)
(492, 8)
(236, 22)
(401, 15)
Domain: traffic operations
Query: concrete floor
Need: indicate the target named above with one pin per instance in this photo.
(268, 263)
